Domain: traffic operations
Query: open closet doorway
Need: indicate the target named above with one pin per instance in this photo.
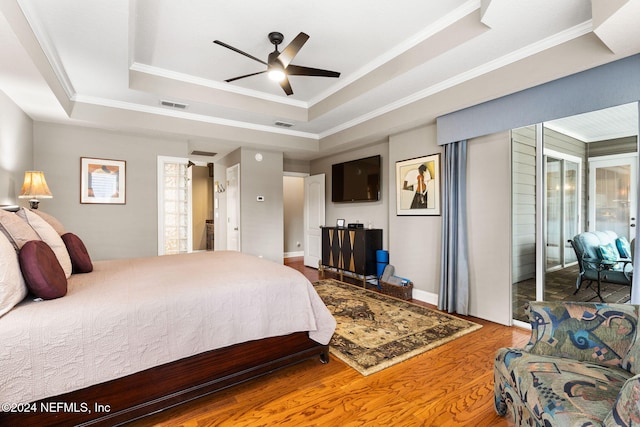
(304, 214)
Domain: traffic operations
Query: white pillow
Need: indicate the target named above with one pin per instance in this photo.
(50, 236)
(51, 220)
(17, 231)
(12, 286)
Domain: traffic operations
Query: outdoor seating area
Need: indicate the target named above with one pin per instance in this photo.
(602, 257)
(579, 282)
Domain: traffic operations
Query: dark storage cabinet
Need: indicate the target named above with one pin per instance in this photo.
(351, 249)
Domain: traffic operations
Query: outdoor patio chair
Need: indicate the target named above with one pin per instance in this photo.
(600, 260)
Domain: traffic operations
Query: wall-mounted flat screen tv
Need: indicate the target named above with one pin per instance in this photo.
(356, 181)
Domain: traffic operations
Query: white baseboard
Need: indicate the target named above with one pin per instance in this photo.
(293, 254)
(424, 296)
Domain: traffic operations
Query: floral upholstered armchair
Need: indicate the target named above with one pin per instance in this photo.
(579, 368)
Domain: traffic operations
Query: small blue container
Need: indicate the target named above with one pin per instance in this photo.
(382, 258)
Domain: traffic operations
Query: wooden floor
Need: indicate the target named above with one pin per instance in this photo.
(451, 385)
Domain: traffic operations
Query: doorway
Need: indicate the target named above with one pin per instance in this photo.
(233, 208)
(562, 207)
(185, 205)
(585, 179)
(612, 195)
(174, 206)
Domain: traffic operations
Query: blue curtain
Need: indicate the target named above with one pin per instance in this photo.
(454, 271)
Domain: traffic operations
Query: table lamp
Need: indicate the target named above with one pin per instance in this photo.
(34, 187)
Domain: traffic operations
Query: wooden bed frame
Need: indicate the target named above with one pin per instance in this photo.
(125, 399)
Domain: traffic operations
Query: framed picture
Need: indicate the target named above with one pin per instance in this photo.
(102, 181)
(340, 223)
(418, 186)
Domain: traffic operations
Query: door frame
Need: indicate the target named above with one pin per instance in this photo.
(312, 231)
(615, 160)
(564, 157)
(161, 160)
(236, 203)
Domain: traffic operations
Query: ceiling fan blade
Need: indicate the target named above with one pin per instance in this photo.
(289, 52)
(239, 51)
(286, 86)
(296, 70)
(246, 75)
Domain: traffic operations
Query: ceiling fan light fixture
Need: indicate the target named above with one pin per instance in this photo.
(276, 74)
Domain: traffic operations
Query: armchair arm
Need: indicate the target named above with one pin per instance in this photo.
(603, 263)
(592, 332)
(625, 411)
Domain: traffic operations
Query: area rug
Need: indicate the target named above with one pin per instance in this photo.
(375, 331)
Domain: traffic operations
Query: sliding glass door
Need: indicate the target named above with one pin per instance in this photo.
(562, 202)
(570, 175)
(611, 194)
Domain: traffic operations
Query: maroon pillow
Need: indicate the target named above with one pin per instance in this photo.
(41, 270)
(80, 259)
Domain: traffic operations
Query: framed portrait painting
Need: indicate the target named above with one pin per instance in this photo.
(418, 186)
(102, 181)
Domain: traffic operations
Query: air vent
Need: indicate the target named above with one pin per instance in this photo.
(283, 124)
(172, 104)
(203, 153)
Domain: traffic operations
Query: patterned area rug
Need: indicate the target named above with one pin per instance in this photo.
(376, 331)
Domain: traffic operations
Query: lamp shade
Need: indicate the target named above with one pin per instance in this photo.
(35, 186)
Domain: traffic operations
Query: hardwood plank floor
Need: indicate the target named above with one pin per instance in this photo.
(451, 385)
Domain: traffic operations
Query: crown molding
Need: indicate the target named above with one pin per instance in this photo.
(48, 48)
(532, 49)
(159, 111)
(446, 21)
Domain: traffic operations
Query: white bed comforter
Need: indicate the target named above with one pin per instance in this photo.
(132, 314)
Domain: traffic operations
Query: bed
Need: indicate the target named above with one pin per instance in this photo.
(136, 336)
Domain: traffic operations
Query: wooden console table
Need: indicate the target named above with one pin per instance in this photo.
(350, 250)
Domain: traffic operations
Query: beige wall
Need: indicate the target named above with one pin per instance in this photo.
(375, 213)
(108, 231)
(16, 151)
(489, 227)
(414, 245)
(261, 223)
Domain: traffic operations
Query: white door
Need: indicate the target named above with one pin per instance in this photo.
(174, 206)
(233, 208)
(612, 194)
(313, 219)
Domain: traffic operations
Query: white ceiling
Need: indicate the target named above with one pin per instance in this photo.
(615, 122)
(109, 64)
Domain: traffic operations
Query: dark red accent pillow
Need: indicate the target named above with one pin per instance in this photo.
(80, 259)
(41, 270)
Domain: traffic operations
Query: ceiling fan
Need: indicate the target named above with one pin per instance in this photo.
(279, 66)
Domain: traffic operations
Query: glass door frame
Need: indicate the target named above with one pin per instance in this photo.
(564, 158)
(630, 159)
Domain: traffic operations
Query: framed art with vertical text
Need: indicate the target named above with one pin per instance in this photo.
(418, 186)
(102, 181)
